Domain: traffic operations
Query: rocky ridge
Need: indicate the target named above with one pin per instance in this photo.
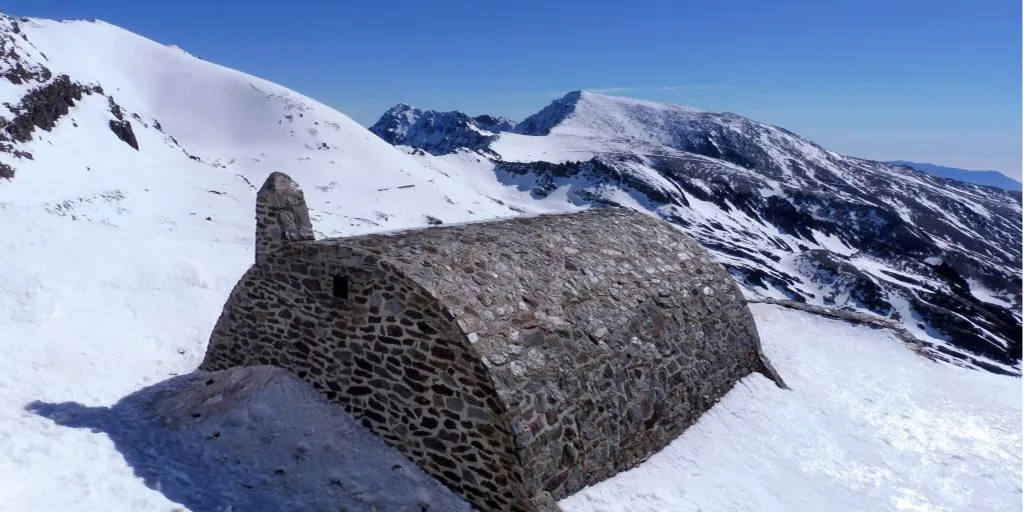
(789, 219)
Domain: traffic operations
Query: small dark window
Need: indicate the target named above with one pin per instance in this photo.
(341, 287)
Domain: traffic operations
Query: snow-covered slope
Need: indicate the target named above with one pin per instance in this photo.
(205, 134)
(789, 218)
(115, 262)
(245, 439)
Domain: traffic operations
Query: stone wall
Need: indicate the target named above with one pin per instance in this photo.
(386, 353)
(515, 360)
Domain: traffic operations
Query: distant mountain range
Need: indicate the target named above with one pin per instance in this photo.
(788, 218)
(989, 178)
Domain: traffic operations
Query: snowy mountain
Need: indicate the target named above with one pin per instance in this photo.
(438, 132)
(790, 219)
(112, 121)
(989, 178)
(127, 198)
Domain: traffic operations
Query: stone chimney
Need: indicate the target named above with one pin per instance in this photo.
(281, 215)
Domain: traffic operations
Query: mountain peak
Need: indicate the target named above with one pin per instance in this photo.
(550, 116)
(438, 132)
(591, 112)
(402, 107)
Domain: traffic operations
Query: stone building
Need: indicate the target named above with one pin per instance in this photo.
(515, 360)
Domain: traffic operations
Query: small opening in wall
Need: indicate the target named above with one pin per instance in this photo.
(341, 287)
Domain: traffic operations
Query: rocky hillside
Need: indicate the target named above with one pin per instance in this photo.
(96, 134)
(438, 132)
(789, 218)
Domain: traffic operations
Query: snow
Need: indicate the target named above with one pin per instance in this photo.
(116, 263)
(514, 147)
(240, 126)
(983, 294)
(833, 243)
(867, 425)
(598, 114)
(255, 438)
(500, 187)
(879, 270)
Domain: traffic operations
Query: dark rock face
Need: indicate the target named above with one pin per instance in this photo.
(550, 116)
(115, 109)
(123, 130)
(517, 361)
(41, 108)
(493, 124)
(435, 132)
(121, 126)
(14, 66)
(47, 101)
(791, 219)
(838, 277)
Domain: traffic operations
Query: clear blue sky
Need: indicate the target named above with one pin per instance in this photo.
(924, 80)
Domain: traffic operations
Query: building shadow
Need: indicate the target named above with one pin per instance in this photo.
(172, 462)
(271, 452)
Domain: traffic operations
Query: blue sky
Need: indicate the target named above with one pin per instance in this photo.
(920, 80)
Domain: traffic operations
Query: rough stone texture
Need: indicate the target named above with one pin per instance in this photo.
(14, 66)
(438, 132)
(41, 107)
(518, 360)
(123, 130)
(281, 215)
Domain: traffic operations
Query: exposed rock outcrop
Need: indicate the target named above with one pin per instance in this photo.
(123, 130)
(438, 132)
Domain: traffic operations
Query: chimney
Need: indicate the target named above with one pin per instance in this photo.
(281, 215)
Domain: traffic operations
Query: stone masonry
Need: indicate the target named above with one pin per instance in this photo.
(516, 360)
